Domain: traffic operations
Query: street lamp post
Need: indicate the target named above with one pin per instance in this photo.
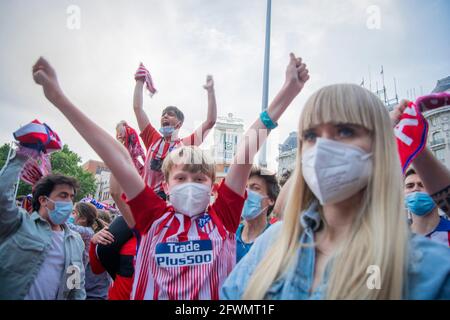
(265, 98)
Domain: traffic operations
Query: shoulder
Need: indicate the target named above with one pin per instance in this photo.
(76, 238)
(444, 225)
(234, 286)
(428, 269)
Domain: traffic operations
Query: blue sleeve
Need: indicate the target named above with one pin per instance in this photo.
(428, 270)
(10, 217)
(236, 283)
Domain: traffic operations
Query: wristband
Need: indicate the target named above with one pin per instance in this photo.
(267, 121)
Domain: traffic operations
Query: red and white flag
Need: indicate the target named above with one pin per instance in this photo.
(37, 141)
(38, 136)
(143, 74)
(411, 133)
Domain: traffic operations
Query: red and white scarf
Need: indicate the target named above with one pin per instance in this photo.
(37, 141)
(143, 74)
(133, 145)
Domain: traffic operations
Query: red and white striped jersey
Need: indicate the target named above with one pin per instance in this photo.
(181, 257)
(158, 148)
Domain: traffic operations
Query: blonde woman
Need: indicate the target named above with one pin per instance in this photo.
(344, 234)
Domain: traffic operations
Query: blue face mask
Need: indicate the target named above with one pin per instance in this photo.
(167, 131)
(61, 213)
(419, 203)
(252, 206)
(71, 220)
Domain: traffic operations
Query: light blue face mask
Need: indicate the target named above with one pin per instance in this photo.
(71, 220)
(61, 213)
(419, 203)
(167, 131)
(252, 206)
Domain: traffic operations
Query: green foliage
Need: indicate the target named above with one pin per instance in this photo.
(65, 162)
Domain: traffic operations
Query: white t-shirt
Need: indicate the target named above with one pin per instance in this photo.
(48, 279)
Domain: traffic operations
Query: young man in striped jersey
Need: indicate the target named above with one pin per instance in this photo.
(160, 143)
(423, 210)
(186, 248)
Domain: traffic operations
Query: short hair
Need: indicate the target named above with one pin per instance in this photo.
(47, 184)
(193, 160)
(409, 172)
(273, 188)
(178, 113)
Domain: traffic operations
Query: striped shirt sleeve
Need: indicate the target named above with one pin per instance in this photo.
(146, 207)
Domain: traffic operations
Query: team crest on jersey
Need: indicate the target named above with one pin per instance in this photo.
(205, 223)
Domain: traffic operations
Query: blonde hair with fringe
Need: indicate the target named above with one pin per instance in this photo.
(192, 158)
(379, 233)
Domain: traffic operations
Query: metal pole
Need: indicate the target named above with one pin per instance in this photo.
(265, 98)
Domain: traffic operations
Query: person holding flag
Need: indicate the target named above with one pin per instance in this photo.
(41, 258)
(186, 248)
(160, 143)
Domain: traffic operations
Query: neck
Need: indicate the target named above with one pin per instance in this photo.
(339, 218)
(253, 228)
(54, 227)
(172, 137)
(426, 224)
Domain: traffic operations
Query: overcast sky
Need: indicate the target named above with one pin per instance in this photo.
(181, 41)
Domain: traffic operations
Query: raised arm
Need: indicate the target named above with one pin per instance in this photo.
(10, 217)
(435, 176)
(114, 154)
(202, 131)
(141, 116)
(296, 77)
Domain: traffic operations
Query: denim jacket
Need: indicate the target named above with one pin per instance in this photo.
(24, 241)
(428, 268)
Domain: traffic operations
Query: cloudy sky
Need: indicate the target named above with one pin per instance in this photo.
(182, 41)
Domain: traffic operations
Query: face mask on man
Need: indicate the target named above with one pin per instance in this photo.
(167, 131)
(335, 171)
(419, 203)
(61, 212)
(252, 206)
(190, 198)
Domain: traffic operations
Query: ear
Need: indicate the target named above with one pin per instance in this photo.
(42, 200)
(271, 202)
(165, 187)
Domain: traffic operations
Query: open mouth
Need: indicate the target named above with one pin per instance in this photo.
(165, 123)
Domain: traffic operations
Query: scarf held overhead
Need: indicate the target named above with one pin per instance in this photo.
(37, 140)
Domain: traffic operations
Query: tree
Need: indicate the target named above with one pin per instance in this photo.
(64, 162)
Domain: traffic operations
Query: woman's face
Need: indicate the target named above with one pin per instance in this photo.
(342, 132)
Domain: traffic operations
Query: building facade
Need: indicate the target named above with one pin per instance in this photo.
(102, 175)
(439, 126)
(287, 154)
(228, 133)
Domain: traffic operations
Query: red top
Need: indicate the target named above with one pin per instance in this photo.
(158, 148)
(182, 257)
(121, 287)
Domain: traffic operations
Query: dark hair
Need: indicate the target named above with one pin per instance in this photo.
(273, 188)
(409, 172)
(87, 211)
(47, 184)
(178, 113)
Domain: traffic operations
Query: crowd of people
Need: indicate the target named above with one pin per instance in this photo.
(312, 233)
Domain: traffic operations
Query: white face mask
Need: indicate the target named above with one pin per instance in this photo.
(190, 198)
(335, 171)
